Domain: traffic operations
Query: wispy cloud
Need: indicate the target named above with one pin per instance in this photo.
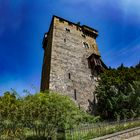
(129, 54)
(127, 6)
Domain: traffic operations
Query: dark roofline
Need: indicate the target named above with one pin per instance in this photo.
(74, 23)
(89, 28)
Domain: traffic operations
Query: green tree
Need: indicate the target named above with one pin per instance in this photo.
(118, 93)
(43, 113)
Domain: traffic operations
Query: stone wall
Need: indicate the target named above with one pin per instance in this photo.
(47, 46)
(65, 67)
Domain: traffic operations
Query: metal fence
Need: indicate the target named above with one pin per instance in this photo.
(41, 131)
(88, 131)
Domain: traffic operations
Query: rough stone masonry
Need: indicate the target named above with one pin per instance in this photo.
(71, 62)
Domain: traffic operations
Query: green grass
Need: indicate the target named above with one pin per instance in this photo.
(97, 131)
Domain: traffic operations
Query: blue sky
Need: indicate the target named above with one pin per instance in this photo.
(23, 23)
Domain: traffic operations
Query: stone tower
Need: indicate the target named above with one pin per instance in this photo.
(71, 61)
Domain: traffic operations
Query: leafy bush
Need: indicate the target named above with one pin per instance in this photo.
(44, 112)
(40, 115)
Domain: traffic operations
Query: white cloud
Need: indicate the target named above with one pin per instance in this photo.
(131, 7)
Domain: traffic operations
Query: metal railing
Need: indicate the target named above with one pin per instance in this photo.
(40, 131)
(88, 131)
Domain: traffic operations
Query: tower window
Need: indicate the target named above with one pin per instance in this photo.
(69, 75)
(64, 39)
(75, 96)
(86, 45)
(68, 30)
(97, 62)
(83, 36)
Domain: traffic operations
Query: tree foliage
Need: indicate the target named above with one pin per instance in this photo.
(118, 93)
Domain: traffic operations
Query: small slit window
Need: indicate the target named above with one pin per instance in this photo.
(64, 39)
(85, 45)
(75, 96)
(67, 30)
(69, 75)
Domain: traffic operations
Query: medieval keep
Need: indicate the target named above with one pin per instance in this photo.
(71, 61)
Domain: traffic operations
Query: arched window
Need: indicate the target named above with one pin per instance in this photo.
(85, 45)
